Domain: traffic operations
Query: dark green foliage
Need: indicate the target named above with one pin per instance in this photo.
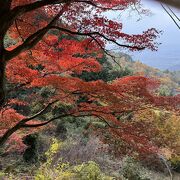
(82, 99)
(61, 131)
(176, 167)
(61, 109)
(31, 153)
(175, 164)
(132, 170)
(39, 67)
(165, 91)
(46, 92)
(108, 73)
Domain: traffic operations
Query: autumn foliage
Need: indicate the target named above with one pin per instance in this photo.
(50, 41)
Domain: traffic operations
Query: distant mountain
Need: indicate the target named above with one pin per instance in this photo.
(169, 79)
(174, 68)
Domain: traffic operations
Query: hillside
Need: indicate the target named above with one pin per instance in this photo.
(170, 80)
(79, 147)
(175, 67)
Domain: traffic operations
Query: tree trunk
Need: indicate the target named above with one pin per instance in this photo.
(8, 133)
(2, 81)
(5, 23)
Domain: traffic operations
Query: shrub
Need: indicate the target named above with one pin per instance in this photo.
(65, 171)
(132, 170)
(175, 163)
(31, 153)
(88, 171)
(2, 175)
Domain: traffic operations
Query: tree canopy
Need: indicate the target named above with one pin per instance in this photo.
(44, 43)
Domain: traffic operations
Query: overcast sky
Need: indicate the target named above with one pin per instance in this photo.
(169, 51)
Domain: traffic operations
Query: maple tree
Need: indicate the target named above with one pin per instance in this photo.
(48, 41)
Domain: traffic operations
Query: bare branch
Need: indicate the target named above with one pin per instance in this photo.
(106, 51)
(174, 3)
(170, 16)
(174, 13)
(90, 34)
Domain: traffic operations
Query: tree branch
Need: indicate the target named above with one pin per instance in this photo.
(20, 124)
(90, 34)
(38, 113)
(170, 16)
(174, 14)
(19, 10)
(33, 39)
(174, 3)
(45, 123)
(106, 51)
